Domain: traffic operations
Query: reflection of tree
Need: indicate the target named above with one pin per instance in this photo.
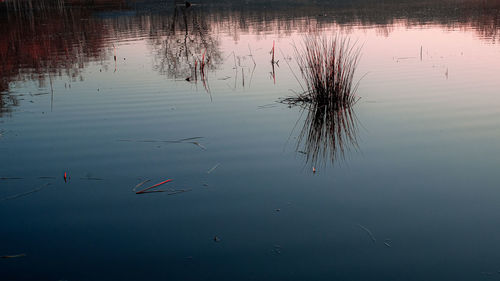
(47, 38)
(182, 38)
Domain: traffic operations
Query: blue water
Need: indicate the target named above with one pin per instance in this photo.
(416, 199)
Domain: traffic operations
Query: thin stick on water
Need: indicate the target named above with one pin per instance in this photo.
(243, 76)
(178, 191)
(251, 55)
(291, 70)
(141, 184)
(213, 168)
(15, 196)
(272, 61)
(372, 237)
(153, 186)
(13, 256)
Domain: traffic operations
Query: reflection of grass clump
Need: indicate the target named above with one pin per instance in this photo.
(327, 67)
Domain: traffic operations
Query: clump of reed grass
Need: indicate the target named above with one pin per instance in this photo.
(327, 66)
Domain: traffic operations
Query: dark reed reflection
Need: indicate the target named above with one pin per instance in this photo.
(329, 132)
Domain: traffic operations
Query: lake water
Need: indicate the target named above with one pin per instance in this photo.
(99, 92)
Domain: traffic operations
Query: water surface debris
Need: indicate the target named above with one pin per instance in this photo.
(10, 178)
(216, 239)
(213, 168)
(148, 189)
(177, 191)
(92, 179)
(13, 256)
(372, 237)
(387, 244)
(15, 196)
(277, 249)
(186, 140)
(140, 184)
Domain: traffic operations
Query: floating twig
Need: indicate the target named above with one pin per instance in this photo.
(213, 168)
(15, 196)
(369, 233)
(92, 179)
(153, 186)
(173, 192)
(140, 184)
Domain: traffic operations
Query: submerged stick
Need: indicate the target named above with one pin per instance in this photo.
(369, 233)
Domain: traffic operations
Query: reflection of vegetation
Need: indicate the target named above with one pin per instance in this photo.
(260, 17)
(7, 101)
(329, 131)
(47, 38)
(187, 39)
(327, 66)
(62, 36)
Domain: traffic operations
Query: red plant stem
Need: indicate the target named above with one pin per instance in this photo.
(273, 52)
(203, 59)
(153, 186)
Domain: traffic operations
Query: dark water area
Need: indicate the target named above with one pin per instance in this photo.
(97, 97)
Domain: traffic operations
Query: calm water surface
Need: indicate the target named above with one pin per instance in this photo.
(100, 93)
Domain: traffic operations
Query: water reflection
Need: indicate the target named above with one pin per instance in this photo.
(45, 38)
(183, 41)
(329, 130)
(63, 36)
